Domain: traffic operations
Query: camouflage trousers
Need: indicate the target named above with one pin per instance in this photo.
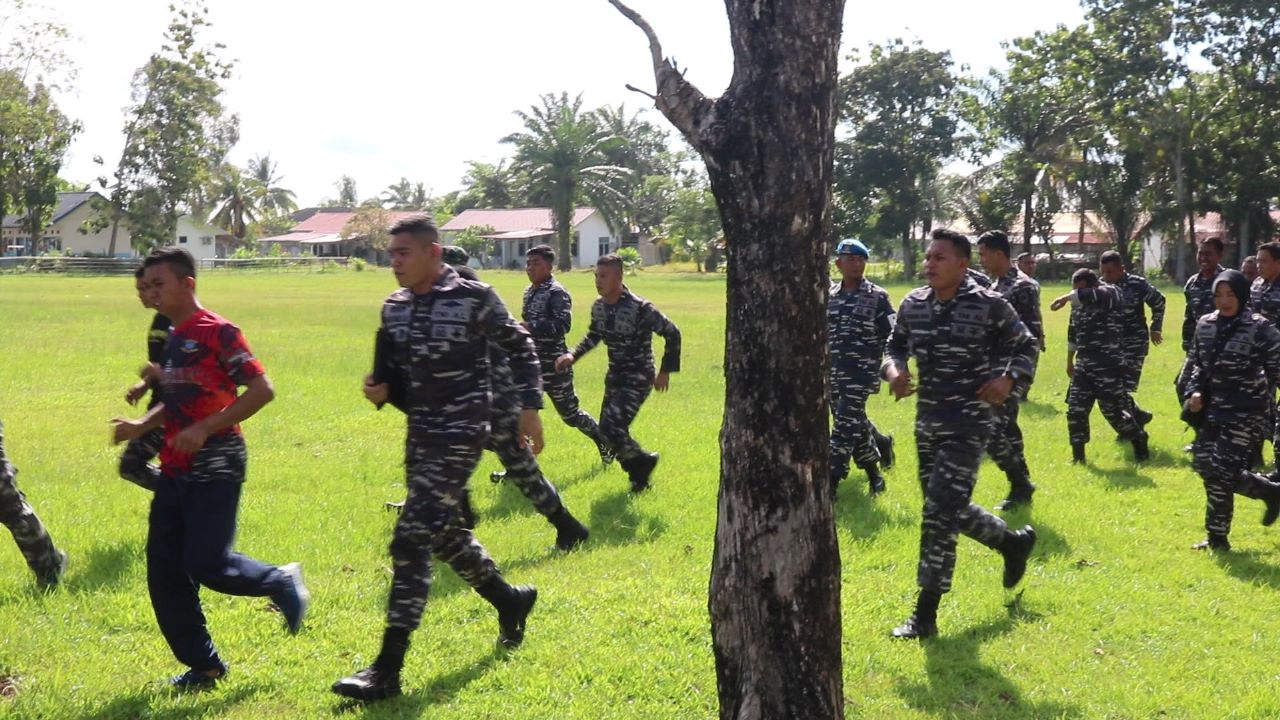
(135, 461)
(559, 387)
(21, 519)
(1222, 453)
(520, 463)
(1135, 357)
(853, 434)
(948, 471)
(1106, 387)
(1005, 446)
(624, 393)
(429, 526)
(1180, 383)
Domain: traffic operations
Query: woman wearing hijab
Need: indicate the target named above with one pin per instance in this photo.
(1234, 354)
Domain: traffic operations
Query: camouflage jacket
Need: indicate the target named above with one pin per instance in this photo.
(1264, 299)
(1136, 295)
(1199, 294)
(1094, 331)
(1235, 363)
(548, 313)
(858, 325)
(439, 362)
(959, 345)
(1023, 294)
(627, 328)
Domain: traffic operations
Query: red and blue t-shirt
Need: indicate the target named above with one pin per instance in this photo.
(205, 361)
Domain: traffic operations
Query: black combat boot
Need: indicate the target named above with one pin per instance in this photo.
(1077, 453)
(1217, 543)
(875, 480)
(382, 679)
(884, 445)
(569, 532)
(1016, 548)
(513, 603)
(1272, 499)
(1020, 489)
(923, 623)
(1141, 453)
(639, 468)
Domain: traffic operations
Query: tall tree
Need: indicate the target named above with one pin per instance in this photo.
(769, 146)
(562, 154)
(405, 195)
(488, 186)
(901, 120)
(238, 200)
(278, 200)
(693, 227)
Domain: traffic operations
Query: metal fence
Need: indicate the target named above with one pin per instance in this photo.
(126, 266)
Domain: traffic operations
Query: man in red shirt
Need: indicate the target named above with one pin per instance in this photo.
(202, 468)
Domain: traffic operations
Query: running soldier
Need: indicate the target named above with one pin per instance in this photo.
(1264, 299)
(1023, 294)
(1096, 364)
(46, 561)
(548, 317)
(1136, 295)
(135, 461)
(859, 320)
(1199, 294)
(192, 524)
(1235, 363)
(626, 323)
(970, 349)
(439, 327)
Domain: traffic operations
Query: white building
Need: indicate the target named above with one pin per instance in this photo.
(65, 232)
(515, 230)
(201, 239)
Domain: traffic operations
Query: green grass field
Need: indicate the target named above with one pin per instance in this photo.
(1120, 619)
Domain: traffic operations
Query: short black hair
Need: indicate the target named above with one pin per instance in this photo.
(178, 260)
(139, 272)
(611, 260)
(959, 240)
(1272, 248)
(1086, 276)
(1111, 257)
(1250, 259)
(1214, 242)
(995, 240)
(1026, 256)
(420, 225)
(543, 251)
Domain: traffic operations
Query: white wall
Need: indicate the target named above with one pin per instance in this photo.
(75, 242)
(589, 233)
(201, 238)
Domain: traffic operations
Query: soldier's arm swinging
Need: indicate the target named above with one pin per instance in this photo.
(593, 338)
(894, 368)
(1155, 300)
(662, 325)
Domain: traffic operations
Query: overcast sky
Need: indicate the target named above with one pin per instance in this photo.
(381, 89)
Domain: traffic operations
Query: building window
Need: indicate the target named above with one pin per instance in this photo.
(182, 239)
(573, 248)
(206, 240)
(604, 246)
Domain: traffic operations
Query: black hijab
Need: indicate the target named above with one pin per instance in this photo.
(1239, 285)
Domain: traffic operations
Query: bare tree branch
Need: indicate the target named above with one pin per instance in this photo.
(645, 93)
(683, 104)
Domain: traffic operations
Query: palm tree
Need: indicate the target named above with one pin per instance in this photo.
(237, 200)
(563, 157)
(277, 200)
(405, 195)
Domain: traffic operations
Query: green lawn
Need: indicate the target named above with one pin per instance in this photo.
(1120, 618)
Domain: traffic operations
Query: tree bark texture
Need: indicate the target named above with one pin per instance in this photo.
(768, 143)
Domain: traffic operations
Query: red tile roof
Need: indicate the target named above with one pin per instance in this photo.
(331, 220)
(511, 219)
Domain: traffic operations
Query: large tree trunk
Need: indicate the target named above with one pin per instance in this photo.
(908, 255)
(768, 144)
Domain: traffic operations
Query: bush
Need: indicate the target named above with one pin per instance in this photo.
(631, 261)
(358, 264)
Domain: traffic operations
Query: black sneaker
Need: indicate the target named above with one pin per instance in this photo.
(887, 456)
(639, 468)
(512, 614)
(194, 680)
(914, 629)
(294, 599)
(1016, 552)
(48, 578)
(371, 683)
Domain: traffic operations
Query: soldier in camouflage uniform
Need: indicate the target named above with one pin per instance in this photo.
(45, 560)
(1027, 264)
(1199, 295)
(1249, 268)
(1136, 294)
(970, 349)
(1096, 364)
(1235, 361)
(548, 317)
(1264, 299)
(1023, 294)
(626, 323)
(135, 461)
(437, 330)
(859, 320)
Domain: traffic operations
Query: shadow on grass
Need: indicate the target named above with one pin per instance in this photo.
(510, 501)
(205, 704)
(863, 516)
(1039, 409)
(107, 567)
(960, 685)
(415, 702)
(1127, 479)
(1244, 565)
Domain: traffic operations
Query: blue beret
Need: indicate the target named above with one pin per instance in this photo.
(852, 247)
